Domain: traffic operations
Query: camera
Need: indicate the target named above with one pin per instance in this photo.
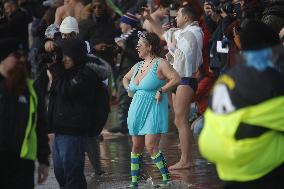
(51, 57)
(225, 42)
(226, 7)
(141, 10)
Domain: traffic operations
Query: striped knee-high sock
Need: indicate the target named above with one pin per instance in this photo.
(135, 166)
(161, 163)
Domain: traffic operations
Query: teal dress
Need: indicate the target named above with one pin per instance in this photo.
(145, 115)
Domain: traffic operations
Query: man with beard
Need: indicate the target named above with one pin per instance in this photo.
(23, 132)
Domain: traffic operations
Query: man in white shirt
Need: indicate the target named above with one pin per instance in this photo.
(185, 53)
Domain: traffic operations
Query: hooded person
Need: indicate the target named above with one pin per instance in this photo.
(75, 50)
(70, 113)
(70, 30)
(243, 129)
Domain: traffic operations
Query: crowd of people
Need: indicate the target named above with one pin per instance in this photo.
(217, 64)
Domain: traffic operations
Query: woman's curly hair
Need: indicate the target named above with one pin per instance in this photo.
(154, 40)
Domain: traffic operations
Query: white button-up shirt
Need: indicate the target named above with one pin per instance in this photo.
(187, 54)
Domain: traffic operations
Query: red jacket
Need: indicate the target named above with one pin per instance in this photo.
(203, 91)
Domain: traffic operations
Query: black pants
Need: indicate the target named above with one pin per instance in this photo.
(16, 173)
(273, 180)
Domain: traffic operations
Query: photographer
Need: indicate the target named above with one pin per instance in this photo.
(69, 30)
(47, 55)
(72, 97)
(218, 18)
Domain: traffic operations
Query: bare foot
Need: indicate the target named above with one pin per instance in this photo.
(180, 165)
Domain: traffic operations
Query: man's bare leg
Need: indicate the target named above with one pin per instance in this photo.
(181, 101)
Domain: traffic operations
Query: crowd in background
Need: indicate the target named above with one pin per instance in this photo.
(104, 34)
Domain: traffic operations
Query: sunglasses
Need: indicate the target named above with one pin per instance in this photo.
(18, 54)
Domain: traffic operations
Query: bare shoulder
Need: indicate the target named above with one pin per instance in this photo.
(134, 67)
(147, 26)
(163, 64)
(61, 9)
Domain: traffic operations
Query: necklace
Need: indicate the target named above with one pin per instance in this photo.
(142, 70)
(141, 74)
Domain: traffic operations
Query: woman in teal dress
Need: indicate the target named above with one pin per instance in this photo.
(148, 82)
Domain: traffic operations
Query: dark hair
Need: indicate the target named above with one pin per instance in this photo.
(252, 39)
(188, 10)
(72, 35)
(165, 3)
(154, 40)
(76, 49)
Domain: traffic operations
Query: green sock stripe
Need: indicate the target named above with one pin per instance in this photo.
(133, 155)
(165, 177)
(160, 165)
(135, 166)
(160, 162)
(134, 178)
(157, 155)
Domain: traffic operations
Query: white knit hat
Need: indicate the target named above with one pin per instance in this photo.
(68, 25)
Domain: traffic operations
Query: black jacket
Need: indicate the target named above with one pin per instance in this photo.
(99, 31)
(71, 99)
(17, 27)
(14, 112)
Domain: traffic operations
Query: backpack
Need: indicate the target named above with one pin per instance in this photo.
(99, 110)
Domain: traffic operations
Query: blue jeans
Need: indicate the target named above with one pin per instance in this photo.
(68, 154)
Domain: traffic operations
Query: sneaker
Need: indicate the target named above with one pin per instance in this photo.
(118, 130)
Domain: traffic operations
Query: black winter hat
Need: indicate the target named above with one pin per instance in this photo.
(76, 49)
(7, 46)
(256, 35)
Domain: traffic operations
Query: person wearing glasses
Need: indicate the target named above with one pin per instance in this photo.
(147, 83)
(23, 129)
